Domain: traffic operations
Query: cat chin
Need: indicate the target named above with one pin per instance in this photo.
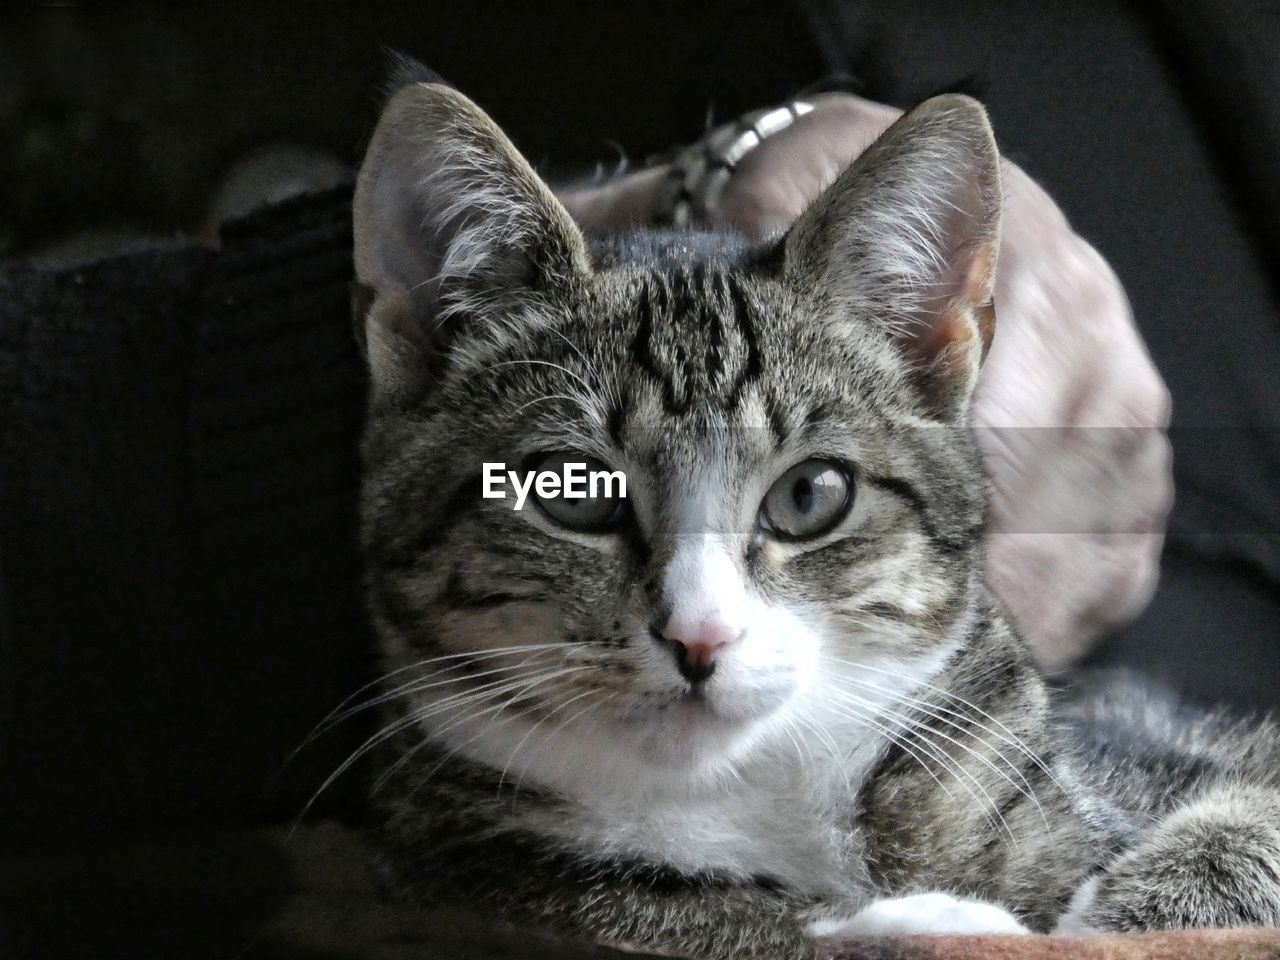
(701, 736)
(705, 742)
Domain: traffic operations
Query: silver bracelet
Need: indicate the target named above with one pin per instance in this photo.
(700, 172)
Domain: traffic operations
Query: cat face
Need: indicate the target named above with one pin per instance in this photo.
(798, 538)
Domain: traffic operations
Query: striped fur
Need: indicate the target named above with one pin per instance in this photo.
(879, 730)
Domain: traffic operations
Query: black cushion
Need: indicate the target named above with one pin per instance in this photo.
(179, 466)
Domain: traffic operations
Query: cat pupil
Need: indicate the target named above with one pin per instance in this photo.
(802, 495)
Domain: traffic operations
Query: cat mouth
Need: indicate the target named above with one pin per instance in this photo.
(706, 707)
(691, 702)
(691, 706)
(694, 708)
(698, 703)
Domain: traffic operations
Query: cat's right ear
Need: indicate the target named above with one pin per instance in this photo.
(908, 237)
(451, 225)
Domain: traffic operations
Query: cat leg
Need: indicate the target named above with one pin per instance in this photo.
(921, 913)
(1212, 863)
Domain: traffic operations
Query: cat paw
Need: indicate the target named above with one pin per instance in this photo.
(922, 913)
(1211, 863)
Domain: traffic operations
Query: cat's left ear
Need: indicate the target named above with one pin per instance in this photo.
(909, 235)
(451, 224)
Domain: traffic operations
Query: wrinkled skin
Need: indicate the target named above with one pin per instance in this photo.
(1078, 510)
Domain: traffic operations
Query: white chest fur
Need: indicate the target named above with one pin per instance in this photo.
(782, 807)
(785, 817)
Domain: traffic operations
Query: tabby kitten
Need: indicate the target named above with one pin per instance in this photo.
(766, 692)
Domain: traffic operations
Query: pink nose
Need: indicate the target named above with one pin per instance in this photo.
(697, 645)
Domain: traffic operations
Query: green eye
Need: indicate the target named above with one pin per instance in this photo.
(808, 500)
(589, 497)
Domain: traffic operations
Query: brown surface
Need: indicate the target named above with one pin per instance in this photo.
(1187, 945)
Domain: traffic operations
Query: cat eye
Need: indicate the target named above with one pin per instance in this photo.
(589, 497)
(808, 500)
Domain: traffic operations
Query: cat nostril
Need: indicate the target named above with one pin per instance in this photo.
(696, 661)
(695, 649)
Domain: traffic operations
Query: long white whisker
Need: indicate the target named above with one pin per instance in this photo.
(925, 731)
(545, 363)
(418, 685)
(549, 737)
(789, 728)
(502, 777)
(465, 743)
(1009, 736)
(865, 717)
(809, 722)
(591, 367)
(520, 688)
(1026, 789)
(946, 763)
(553, 396)
(1013, 739)
(377, 681)
(485, 691)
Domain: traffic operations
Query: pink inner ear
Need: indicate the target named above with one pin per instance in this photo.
(980, 275)
(954, 337)
(967, 313)
(977, 291)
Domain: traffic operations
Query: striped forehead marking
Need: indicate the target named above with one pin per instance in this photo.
(695, 338)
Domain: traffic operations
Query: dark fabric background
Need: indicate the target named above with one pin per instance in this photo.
(126, 114)
(178, 427)
(179, 473)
